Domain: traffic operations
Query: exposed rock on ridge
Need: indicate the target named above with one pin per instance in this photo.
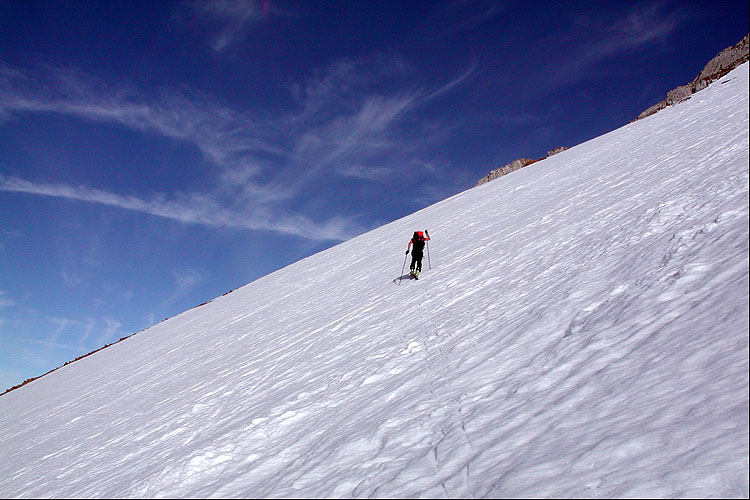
(516, 165)
(510, 167)
(723, 63)
(556, 150)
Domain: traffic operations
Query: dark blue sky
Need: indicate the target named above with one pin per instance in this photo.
(154, 155)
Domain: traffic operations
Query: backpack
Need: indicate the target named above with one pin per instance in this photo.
(418, 241)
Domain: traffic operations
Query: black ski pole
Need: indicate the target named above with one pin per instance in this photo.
(403, 267)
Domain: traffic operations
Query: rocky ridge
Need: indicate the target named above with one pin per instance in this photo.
(516, 165)
(724, 62)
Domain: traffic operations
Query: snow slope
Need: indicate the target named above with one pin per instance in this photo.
(582, 332)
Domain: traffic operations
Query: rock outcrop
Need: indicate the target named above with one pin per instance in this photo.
(506, 169)
(516, 165)
(723, 63)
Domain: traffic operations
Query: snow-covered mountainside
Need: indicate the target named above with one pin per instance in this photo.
(580, 329)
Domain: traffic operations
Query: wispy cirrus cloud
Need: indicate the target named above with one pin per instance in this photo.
(192, 208)
(229, 139)
(230, 18)
(641, 25)
(349, 114)
(6, 301)
(226, 137)
(222, 134)
(451, 17)
(339, 87)
(366, 173)
(87, 329)
(79, 331)
(60, 325)
(51, 344)
(111, 332)
(64, 333)
(353, 136)
(364, 125)
(185, 281)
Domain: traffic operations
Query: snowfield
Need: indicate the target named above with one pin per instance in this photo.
(580, 330)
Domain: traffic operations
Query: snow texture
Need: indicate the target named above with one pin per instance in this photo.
(580, 329)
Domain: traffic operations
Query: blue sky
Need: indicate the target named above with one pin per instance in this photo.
(154, 155)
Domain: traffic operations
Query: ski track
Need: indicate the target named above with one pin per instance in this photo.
(582, 331)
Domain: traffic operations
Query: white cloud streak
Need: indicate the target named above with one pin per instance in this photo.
(230, 18)
(643, 24)
(55, 345)
(185, 281)
(347, 115)
(222, 134)
(227, 138)
(366, 173)
(362, 133)
(5, 301)
(195, 209)
(61, 324)
(451, 17)
(111, 331)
